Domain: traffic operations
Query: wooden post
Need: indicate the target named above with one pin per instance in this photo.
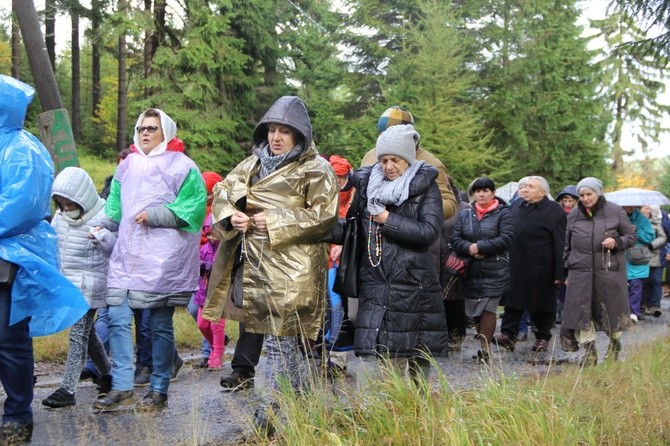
(55, 129)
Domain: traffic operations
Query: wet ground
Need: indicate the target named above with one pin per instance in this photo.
(199, 413)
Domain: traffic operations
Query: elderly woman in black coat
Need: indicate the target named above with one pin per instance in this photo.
(399, 207)
(483, 234)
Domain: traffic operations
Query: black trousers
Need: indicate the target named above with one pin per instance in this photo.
(247, 352)
(457, 321)
(542, 322)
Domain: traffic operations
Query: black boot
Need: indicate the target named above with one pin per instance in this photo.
(590, 357)
(613, 350)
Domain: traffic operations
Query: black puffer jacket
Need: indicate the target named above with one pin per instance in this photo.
(490, 276)
(400, 310)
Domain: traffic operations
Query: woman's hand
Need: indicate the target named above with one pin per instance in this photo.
(381, 217)
(609, 243)
(142, 218)
(240, 221)
(258, 221)
(473, 250)
(335, 252)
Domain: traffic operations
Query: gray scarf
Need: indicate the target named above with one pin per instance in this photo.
(382, 192)
(270, 162)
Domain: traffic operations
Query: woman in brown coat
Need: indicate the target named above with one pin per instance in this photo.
(598, 233)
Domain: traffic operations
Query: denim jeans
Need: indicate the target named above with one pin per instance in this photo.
(121, 345)
(16, 364)
(162, 348)
(143, 338)
(635, 296)
(205, 348)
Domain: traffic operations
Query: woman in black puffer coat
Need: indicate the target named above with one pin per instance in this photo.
(400, 311)
(484, 234)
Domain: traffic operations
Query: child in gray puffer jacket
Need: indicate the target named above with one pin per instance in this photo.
(84, 261)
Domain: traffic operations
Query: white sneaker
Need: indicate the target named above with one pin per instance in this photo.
(633, 317)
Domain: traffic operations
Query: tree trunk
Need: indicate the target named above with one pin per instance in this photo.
(95, 56)
(76, 77)
(54, 124)
(148, 50)
(121, 114)
(16, 47)
(50, 31)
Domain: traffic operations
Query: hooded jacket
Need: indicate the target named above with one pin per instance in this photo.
(84, 261)
(26, 174)
(158, 263)
(284, 271)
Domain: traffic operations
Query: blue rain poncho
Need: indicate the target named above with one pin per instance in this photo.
(40, 291)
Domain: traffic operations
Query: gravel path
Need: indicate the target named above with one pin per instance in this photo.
(200, 413)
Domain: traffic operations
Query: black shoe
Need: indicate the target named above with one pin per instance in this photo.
(152, 402)
(87, 374)
(60, 398)
(142, 376)
(262, 423)
(236, 381)
(105, 385)
(202, 364)
(114, 399)
(482, 356)
(15, 433)
(176, 367)
(505, 341)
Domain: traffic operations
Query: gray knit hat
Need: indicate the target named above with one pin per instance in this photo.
(398, 140)
(592, 183)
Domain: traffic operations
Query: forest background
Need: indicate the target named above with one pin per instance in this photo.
(502, 88)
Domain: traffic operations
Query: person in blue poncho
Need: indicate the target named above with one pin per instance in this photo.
(35, 299)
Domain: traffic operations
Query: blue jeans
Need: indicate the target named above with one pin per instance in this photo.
(143, 338)
(205, 348)
(16, 364)
(524, 322)
(635, 296)
(102, 330)
(121, 346)
(163, 348)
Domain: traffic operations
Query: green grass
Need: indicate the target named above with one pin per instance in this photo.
(622, 403)
(187, 336)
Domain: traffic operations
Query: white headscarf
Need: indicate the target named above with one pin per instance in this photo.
(169, 131)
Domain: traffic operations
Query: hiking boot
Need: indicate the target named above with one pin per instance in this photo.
(590, 357)
(105, 385)
(176, 367)
(202, 364)
(88, 374)
(236, 381)
(142, 376)
(114, 399)
(152, 402)
(262, 423)
(60, 398)
(505, 341)
(540, 345)
(613, 350)
(15, 433)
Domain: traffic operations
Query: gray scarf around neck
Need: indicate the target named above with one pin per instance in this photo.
(382, 192)
(270, 162)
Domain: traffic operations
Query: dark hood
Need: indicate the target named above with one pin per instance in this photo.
(287, 110)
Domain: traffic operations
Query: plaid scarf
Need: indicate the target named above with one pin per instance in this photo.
(270, 162)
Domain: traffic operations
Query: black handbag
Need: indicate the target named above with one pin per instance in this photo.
(7, 273)
(346, 278)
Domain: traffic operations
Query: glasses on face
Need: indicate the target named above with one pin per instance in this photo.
(148, 128)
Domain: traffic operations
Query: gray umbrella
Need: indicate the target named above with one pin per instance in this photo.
(633, 196)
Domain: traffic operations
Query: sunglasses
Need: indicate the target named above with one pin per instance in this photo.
(148, 128)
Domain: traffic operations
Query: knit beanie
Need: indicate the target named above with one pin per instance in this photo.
(398, 140)
(395, 115)
(592, 183)
(210, 179)
(340, 165)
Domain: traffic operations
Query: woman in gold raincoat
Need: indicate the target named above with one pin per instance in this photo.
(271, 213)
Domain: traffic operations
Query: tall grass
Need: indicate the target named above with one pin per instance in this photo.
(622, 403)
(187, 336)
